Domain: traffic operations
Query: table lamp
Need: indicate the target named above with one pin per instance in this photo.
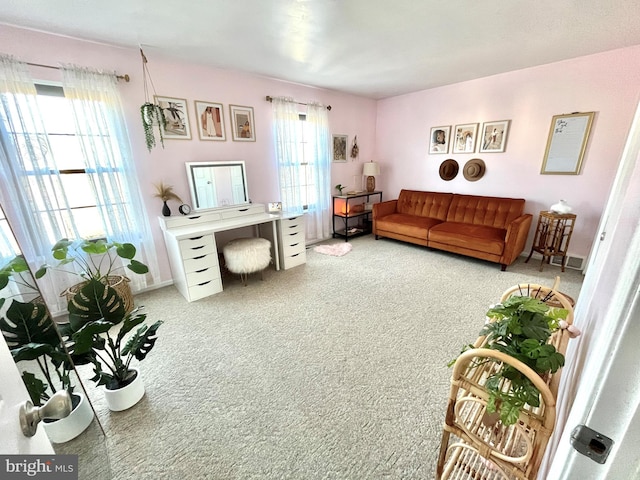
(370, 169)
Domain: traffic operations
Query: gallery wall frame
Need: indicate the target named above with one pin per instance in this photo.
(339, 143)
(567, 143)
(493, 136)
(210, 118)
(176, 117)
(439, 139)
(242, 124)
(465, 137)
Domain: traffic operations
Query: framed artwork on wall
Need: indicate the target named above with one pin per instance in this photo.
(340, 148)
(493, 136)
(210, 121)
(242, 126)
(440, 139)
(464, 138)
(567, 142)
(176, 117)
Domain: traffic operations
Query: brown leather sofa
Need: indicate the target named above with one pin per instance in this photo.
(489, 228)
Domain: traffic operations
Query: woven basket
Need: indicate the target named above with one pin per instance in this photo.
(119, 283)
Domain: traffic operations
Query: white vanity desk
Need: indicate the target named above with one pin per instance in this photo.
(192, 249)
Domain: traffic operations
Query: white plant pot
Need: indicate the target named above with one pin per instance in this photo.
(126, 397)
(70, 427)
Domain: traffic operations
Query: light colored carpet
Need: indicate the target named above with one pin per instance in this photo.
(331, 370)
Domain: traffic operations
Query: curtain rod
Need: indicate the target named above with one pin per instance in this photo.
(124, 77)
(270, 99)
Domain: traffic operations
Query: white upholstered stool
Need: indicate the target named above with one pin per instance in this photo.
(247, 255)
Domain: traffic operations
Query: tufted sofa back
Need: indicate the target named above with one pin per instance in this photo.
(424, 204)
(486, 211)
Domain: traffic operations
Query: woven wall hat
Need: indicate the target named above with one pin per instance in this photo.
(474, 169)
(449, 169)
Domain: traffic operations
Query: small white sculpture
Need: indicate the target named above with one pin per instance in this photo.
(561, 207)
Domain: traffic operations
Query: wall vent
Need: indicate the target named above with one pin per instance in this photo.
(571, 262)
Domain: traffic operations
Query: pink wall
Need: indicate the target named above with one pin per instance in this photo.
(393, 131)
(350, 115)
(607, 83)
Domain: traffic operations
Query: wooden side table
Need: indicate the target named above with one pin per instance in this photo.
(553, 234)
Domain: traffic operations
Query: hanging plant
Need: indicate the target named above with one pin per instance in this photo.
(152, 115)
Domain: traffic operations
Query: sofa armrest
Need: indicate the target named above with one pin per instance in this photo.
(517, 233)
(382, 209)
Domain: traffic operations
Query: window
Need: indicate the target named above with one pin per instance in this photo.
(306, 175)
(71, 187)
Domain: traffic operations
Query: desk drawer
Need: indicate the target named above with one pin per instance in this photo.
(291, 238)
(205, 289)
(197, 246)
(293, 248)
(243, 210)
(201, 276)
(292, 225)
(295, 260)
(202, 261)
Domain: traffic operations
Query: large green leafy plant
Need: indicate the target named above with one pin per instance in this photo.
(99, 329)
(95, 258)
(31, 334)
(521, 327)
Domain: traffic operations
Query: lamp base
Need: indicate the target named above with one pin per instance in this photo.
(371, 183)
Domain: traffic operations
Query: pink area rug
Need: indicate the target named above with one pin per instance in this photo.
(335, 249)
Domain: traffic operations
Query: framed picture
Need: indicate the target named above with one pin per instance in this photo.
(176, 117)
(493, 136)
(340, 148)
(242, 126)
(567, 142)
(464, 138)
(440, 139)
(210, 121)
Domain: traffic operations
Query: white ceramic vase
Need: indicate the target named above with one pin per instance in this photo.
(561, 207)
(125, 397)
(68, 428)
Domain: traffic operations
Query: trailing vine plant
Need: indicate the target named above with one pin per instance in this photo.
(151, 113)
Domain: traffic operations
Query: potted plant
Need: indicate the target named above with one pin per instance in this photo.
(521, 327)
(96, 259)
(100, 329)
(152, 115)
(166, 193)
(339, 187)
(32, 337)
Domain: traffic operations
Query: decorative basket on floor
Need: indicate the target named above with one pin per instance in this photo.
(119, 283)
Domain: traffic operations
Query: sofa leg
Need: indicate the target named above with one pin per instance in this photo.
(503, 267)
(376, 237)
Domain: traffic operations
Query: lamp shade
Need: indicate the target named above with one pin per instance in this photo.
(371, 168)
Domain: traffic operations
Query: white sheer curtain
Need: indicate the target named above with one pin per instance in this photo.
(24, 148)
(288, 137)
(105, 146)
(304, 163)
(31, 190)
(319, 220)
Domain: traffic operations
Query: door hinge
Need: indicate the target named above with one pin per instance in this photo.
(593, 444)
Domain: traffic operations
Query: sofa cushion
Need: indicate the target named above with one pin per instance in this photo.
(488, 211)
(472, 237)
(424, 204)
(403, 224)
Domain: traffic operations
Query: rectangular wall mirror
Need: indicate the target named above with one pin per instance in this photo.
(217, 184)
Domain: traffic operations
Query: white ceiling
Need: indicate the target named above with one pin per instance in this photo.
(373, 48)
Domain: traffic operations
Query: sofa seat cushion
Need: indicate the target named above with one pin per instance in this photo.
(473, 237)
(404, 224)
